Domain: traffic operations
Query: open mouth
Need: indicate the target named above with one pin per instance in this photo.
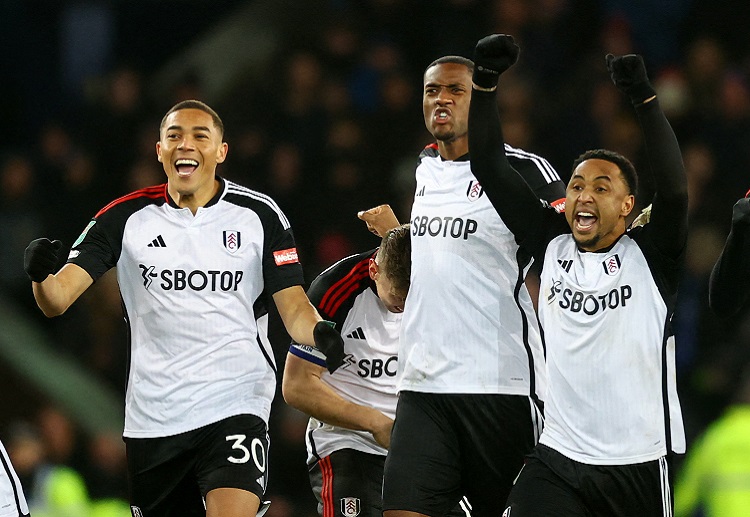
(585, 221)
(185, 167)
(442, 115)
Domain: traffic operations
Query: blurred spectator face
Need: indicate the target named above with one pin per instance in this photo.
(55, 143)
(511, 16)
(445, 104)
(336, 98)
(304, 72)
(143, 174)
(396, 92)
(125, 90)
(616, 37)
(57, 433)
(16, 178)
(735, 98)
(705, 60)
(345, 135)
(285, 167)
(25, 448)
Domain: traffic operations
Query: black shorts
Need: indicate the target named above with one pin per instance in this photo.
(171, 476)
(553, 485)
(349, 483)
(444, 446)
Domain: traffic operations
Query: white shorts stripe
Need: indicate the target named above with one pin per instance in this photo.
(666, 495)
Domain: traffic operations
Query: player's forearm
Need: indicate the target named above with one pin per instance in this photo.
(511, 196)
(670, 204)
(313, 397)
(729, 282)
(57, 292)
(297, 313)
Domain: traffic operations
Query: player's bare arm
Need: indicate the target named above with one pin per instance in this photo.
(53, 293)
(305, 326)
(379, 219)
(304, 389)
(297, 313)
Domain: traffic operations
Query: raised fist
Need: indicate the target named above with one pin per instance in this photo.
(329, 341)
(40, 258)
(493, 55)
(628, 72)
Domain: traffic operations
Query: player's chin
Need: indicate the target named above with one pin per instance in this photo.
(585, 241)
(444, 134)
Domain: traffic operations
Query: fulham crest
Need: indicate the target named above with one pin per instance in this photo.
(350, 506)
(474, 191)
(231, 240)
(611, 264)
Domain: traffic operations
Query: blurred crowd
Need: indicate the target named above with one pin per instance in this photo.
(334, 126)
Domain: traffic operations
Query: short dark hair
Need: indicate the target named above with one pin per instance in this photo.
(626, 167)
(196, 105)
(394, 257)
(456, 60)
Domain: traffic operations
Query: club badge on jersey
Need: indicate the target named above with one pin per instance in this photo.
(350, 506)
(474, 191)
(232, 240)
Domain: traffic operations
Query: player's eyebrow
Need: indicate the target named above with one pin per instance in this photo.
(579, 176)
(194, 128)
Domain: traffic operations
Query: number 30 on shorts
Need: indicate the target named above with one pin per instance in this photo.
(257, 451)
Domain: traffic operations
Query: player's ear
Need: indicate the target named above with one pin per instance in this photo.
(221, 154)
(158, 151)
(627, 205)
(374, 269)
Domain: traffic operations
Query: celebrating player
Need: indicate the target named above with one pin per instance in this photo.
(606, 299)
(199, 259)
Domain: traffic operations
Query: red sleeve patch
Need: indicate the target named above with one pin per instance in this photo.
(288, 256)
(559, 205)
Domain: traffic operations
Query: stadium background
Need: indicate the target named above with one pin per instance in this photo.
(321, 102)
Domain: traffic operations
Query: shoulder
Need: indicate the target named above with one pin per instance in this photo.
(129, 203)
(256, 201)
(527, 162)
(338, 286)
(353, 268)
(430, 151)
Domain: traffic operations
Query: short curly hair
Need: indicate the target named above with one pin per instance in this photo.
(626, 167)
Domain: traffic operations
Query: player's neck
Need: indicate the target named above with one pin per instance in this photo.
(454, 149)
(197, 199)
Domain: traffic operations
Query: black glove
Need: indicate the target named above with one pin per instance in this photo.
(629, 75)
(741, 213)
(493, 55)
(40, 258)
(328, 340)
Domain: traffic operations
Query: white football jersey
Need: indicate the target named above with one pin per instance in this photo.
(195, 290)
(345, 294)
(612, 396)
(12, 500)
(469, 323)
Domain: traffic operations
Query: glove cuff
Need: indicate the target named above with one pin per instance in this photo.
(640, 92)
(485, 78)
(38, 277)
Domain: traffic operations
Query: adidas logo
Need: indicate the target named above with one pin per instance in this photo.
(158, 243)
(565, 264)
(420, 192)
(357, 334)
